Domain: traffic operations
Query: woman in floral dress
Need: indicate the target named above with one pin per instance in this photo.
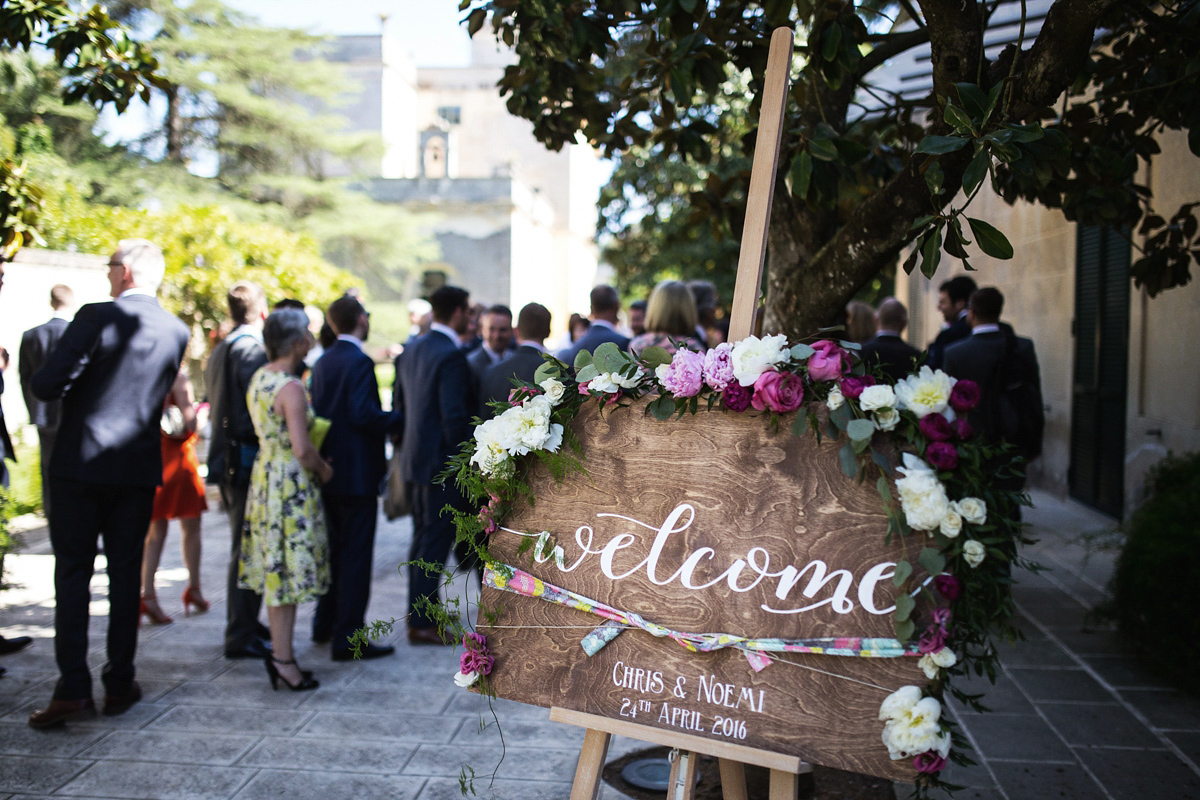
(671, 319)
(285, 551)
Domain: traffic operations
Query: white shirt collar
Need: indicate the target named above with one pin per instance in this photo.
(988, 328)
(247, 330)
(884, 332)
(446, 330)
(604, 324)
(354, 340)
(533, 344)
(135, 290)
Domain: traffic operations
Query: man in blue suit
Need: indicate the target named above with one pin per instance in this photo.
(606, 307)
(112, 368)
(345, 392)
(36, 346)
(953, 296)
(433, 390)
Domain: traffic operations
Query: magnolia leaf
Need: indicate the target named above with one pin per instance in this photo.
(582, 359)
(934, 178)
(957, 118)
(823, 149)
(933, 561)
(904, 630)
(655, 355)
(937, 145)
(902, 572)
(976, 171)
(932, 253)
(904, 606)
(921, 222)
(802, 351)
(973, 100)
(831, 42)
(990, 240)
(860, 430)
(992, 99)
(801, 174)
(849, 460)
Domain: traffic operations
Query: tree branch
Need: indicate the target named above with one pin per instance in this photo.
(1061, 50)
(893, 45)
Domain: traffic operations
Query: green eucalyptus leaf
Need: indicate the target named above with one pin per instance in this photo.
(587, 373)
(609, 358)
(990, 240)
(582, 359)
(662, 408)
(902, 573)
(801, 351)
(545, 372)
(904, 630)
(904, 606)
(860, 430)
(932, 560)
(841, 416)
(655, 355)
(849, 460)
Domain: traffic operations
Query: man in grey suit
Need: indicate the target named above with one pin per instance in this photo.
(533, 326)
(606, 308)
(433, 390)
(37, 344)
(112, 368)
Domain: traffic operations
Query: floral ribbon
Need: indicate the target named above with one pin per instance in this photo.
(511, 579)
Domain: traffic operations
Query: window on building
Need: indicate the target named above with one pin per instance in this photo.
(452, 114)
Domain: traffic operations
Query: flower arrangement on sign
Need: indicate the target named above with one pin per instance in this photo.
(969, 528)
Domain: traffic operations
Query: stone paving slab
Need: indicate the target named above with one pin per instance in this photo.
(171, 748)
(148, 781)
(296, 785)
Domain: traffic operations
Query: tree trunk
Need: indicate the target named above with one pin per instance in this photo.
(174, 126)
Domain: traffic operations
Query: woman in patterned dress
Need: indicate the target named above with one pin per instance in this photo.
(285, 551)
(671, 320)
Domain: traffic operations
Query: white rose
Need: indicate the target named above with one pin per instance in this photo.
(751, 357)
(554, 390)
(612, 382)
(973, 552)
(835, 399)
(886, 419)
(912, 724)
(660, 372)
(926, 392)
(973, 510)
(932, 662)
(922, 495)
(465, 679)
(951, 525)
(877, 397)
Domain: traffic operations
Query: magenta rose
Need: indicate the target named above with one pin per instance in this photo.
(852, 385)
(684, 376)
(948, 586)
(736, 397)
(963, 429)
(932, 640)
(718, 366)
(934, 426)
(941, 617)
(941, 455)
(828, 362)
(964, 396)
(929, 762)
(778, 391)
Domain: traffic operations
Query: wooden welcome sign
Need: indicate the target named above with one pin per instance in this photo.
(710, 523)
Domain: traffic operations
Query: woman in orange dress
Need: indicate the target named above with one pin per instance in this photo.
(180, 497)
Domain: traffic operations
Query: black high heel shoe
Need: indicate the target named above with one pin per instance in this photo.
(307, 681)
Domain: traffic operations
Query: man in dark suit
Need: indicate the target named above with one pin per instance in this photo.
(886, 351)
(36, 345)
(495, 325)
(17, 642)
(953, 296)
(231, 452)
(345, 392)
(982, 356)
(112, 368)
(606, 307)
(533, 326)
(433, 390)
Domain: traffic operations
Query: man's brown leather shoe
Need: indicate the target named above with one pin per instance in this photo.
(59, 711)
(119, 703)
(425, 636)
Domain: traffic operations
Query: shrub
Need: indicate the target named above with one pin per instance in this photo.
(1157, 580)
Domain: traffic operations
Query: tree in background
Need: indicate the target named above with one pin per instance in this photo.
(864, 172)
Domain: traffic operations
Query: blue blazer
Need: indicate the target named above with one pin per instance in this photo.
(345, 392)
(36, 345)
(596, 335)
(433, 387)
(112, 368)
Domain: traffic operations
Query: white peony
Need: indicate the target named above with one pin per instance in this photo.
(886, 419)
(465, 679)
(973, 553)
(835, 399)
(973, 510)
(876, 397)
(926, 392)
(554, 390)
(951, 525)
(922, 495)
(752, 357)
(932, 662)
(912, 724)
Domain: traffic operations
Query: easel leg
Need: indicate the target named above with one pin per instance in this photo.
(591, 765)
(733, 779)
(682, 783)
(784, 785)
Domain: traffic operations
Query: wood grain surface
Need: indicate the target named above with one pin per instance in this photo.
(775, 503)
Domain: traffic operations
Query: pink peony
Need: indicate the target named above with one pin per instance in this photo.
(941, 455)
(683, 377)
(736, 396)
(852, 385)
(778, 391)
(718, 366)
(935, 427)
(963, 429)
(932, 640)
(475, 657)
(829, 362)
(948, 586)
(964, 396)
(941, 617)
(929, 762)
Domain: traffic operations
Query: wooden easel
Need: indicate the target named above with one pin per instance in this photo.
(732, 758)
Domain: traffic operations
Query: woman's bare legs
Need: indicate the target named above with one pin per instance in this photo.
(156, 537)
(282, 621)
(191, 559)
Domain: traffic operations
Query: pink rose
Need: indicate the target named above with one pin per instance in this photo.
(929, 762)
(829, 362)
(964, 396)
(683, 377)
(736, 397)
(778, 391)
(941, 455)
(718, 366)
(948, 586)
(583, 387)
(932, 640)
(852, 385)
(935, 427)
(941, 617)
(963, 429)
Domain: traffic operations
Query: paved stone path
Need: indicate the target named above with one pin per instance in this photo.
(1075, 716)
